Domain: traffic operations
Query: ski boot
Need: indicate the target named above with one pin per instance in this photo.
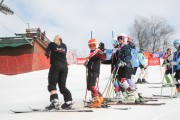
(96, 102)
(144, 81)
(54, 105)
(119, 96)
(130, 98)
(67, 105)
(139, 81)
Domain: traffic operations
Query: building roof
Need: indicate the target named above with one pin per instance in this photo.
(25, 39)
(16, 41)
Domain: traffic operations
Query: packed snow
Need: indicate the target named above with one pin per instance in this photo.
(19, 92)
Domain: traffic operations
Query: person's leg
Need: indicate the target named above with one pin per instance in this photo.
(63, 89)
(91, 83)
(52, 81)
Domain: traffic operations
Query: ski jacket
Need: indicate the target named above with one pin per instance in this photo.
(134, 53)
(176, 58)
(124, 54)
(114, 59)
(141, 59)
(95, 57)
(57, 53)
(168, 59)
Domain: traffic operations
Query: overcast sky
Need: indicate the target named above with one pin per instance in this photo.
(74, 19)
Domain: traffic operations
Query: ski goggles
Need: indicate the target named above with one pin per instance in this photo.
(91, 45)
(120, 38)
(114, 42)
(176, 45)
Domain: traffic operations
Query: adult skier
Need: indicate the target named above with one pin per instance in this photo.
(93, 66)
(57, 74)
(168, 58)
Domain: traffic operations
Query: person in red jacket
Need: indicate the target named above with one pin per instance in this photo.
(93, 67)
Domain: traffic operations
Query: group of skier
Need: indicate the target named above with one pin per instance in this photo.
(124, 63)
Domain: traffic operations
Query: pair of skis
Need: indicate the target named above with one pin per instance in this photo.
(31, 110)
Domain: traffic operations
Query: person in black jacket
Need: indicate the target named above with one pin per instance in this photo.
(93, 67)
(57, 74)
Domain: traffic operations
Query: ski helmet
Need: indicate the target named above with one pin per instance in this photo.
(114, 42)
(121, 36)
(176, 43)
(142, 49)
(168, 49)
(129, 38)
(92, 41)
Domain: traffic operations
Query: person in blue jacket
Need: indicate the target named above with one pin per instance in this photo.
(176, 66)
(134, 60)
(143, 66)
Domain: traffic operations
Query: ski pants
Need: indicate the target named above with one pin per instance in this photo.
(91, 82)
(57, 75)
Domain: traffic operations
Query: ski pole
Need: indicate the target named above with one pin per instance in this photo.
(172, 82)
(112, 81)
(86, 85)
(162, 83)
(109, 80)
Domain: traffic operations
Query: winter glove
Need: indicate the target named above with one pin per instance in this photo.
(85, 63)
(101, 46)
(174, 63)
(122, 64)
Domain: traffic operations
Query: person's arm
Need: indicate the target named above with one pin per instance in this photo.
(48, 51)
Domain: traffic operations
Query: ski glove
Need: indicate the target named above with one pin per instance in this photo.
(122, 64)
(85, 63)
(101, 46)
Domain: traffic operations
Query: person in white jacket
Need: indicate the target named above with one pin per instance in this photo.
(143, 67)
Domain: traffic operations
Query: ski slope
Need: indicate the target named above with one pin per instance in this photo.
(30, 90)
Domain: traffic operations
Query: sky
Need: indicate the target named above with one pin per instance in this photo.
(75, 19)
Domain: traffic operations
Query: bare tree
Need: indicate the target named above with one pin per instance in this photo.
(152, 33)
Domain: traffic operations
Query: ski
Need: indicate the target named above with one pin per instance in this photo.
(43, 110)
(104, 105)
(116, 100)
(160, 86)
(153, 83)
(156, 98)
(161, 95)
(150, 104)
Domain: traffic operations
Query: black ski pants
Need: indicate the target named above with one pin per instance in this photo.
(57, 75)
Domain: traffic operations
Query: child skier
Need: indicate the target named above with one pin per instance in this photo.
(125, 69)
(57, 74)
(168, 58)
(143, 67)
(176, 66)
(93, 66)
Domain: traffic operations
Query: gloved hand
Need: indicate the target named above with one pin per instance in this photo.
(101, 46)
(174, 63)
(122, 64)
(85, 63)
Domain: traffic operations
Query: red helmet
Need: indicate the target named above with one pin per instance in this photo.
(92, 41)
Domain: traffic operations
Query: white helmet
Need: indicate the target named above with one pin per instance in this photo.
(122, 36)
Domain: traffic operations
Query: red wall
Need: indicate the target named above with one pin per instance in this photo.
(22, 59)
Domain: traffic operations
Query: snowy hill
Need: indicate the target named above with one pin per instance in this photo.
(30, 90)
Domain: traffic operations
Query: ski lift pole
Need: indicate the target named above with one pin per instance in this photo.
(91, 34)
(112, 34)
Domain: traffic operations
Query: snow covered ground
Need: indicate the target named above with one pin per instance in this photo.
(30, 90)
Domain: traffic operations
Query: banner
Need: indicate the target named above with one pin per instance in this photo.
(80, 61)
(153, 61)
